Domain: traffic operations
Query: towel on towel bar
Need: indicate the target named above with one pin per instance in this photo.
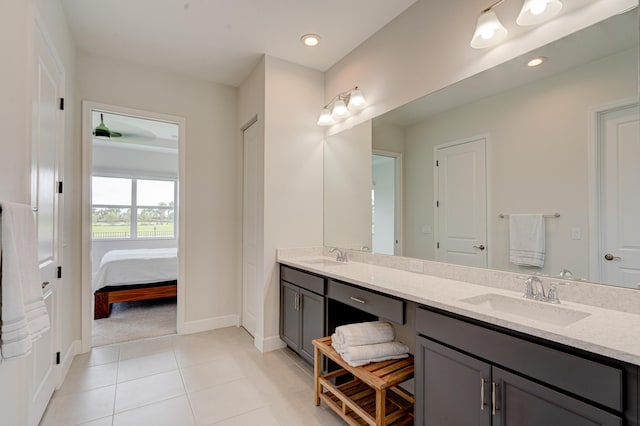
(356, 356)
(526, 239)
(24, 314)
(363, 333)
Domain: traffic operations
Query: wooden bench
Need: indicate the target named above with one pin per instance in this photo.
(372, 397)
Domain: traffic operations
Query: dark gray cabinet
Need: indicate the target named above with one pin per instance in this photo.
(456, 389)
(471, 374)
(302, 310)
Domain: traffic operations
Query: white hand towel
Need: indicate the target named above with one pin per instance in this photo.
(24, 314)
(363, 333)
(356, 356)
(527, 239)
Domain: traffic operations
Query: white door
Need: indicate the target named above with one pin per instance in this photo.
(620, 202)
(385, 201)
(251, 240)
(47, 145)
(461, 203)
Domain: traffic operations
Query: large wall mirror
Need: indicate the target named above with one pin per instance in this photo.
(446, 177)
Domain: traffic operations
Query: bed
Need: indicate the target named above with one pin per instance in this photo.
(128, 275)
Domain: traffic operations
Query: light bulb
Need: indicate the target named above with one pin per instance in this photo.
(538, 7)
(325, 118)
(356, 100)
(489, 31)
(538, 11)
(339, 109)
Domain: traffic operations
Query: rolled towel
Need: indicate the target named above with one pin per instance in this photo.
(363, 333)
(356, 356)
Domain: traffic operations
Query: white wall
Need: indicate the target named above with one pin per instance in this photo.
(292, 174)
(16, 44)
(384, 220)
(347, 188)
(427, 48)
(212, 217)
(533, 168)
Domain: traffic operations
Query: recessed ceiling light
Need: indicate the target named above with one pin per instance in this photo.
(310, 40)
(536, 61)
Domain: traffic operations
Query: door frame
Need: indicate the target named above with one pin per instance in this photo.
(399, 198)
(87, 169)
(594, 164)
(487, 192)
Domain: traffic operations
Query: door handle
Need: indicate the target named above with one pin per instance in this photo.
(480, 247)
(493, 398)
(483, 381)
(355, 299)
(296, 302)
(609, 256)
(44, 284)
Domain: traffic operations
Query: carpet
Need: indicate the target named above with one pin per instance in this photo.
(136, 320)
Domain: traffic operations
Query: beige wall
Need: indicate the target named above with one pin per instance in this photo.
(212, 185)
(537, 149)
(292, 173)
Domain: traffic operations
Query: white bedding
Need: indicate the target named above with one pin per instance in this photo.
(141, 266)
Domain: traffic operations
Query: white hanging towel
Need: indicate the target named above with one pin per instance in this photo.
(526, 239)
(24, 314)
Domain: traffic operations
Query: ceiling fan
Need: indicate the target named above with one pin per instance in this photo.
(102, 132)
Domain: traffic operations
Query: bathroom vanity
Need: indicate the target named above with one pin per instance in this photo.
(483, 354)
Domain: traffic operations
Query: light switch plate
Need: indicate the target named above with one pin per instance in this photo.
(576, 233)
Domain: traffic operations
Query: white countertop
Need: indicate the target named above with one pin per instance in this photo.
(607, 332)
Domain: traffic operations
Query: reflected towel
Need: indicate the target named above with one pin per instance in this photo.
(24, 314)
(356, 356)
(527, 239)
(364, 333)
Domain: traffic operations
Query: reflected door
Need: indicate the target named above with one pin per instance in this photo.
(385, 200)
(461, 203)
(620, 180)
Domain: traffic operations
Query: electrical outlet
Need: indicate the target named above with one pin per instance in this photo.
(576, 233)
(416, 266)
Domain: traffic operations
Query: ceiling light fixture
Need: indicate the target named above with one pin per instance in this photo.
(310, 40)
(490, 31)
(534, 62)
(341, 106)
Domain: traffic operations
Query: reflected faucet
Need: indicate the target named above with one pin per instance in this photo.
(341, 256)
(534, 289)
(565, 273)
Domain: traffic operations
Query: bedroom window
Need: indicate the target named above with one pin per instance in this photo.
(130, 208)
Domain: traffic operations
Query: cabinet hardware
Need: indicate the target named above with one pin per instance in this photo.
(482, 383)
(355, 299)
(493, 398)
(45, 283)
(296, 302)
(480, 247)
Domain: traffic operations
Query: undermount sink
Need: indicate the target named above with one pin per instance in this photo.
(323, 261)
(540, 311)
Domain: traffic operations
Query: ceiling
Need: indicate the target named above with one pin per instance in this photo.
(137, 132)
(223, 40)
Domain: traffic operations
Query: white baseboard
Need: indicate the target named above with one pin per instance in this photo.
(189, 327)
(65, 363)
(268, 344)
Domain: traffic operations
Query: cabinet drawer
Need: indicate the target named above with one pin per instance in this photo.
(367, 301)
(594, 381)
(302, 279)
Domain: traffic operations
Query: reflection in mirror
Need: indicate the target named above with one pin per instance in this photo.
(561, 137)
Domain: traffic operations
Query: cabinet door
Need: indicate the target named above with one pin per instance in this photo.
(525, 403)
(452, 389)
(290, 315)
(312, 322)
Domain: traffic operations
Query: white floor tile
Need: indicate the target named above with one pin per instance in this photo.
(82, 379)
(221, 370)
(148, 365)
(171, 412)
(105, 421)
(80, 407)
(261, 416)
(147, 390)
(225, 401)
(97, 356)
(141, 348)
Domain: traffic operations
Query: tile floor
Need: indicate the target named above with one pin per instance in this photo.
(212, 378)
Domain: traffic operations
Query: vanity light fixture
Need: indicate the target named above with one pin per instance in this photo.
(310, 40)
(490, 31)
(341, 106)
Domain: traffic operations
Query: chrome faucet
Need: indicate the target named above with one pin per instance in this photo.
(533, 289)
(341, 256)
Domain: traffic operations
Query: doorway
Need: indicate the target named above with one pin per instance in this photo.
(461, 202)
(615, 255)
(386, 192)
(132, 224)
